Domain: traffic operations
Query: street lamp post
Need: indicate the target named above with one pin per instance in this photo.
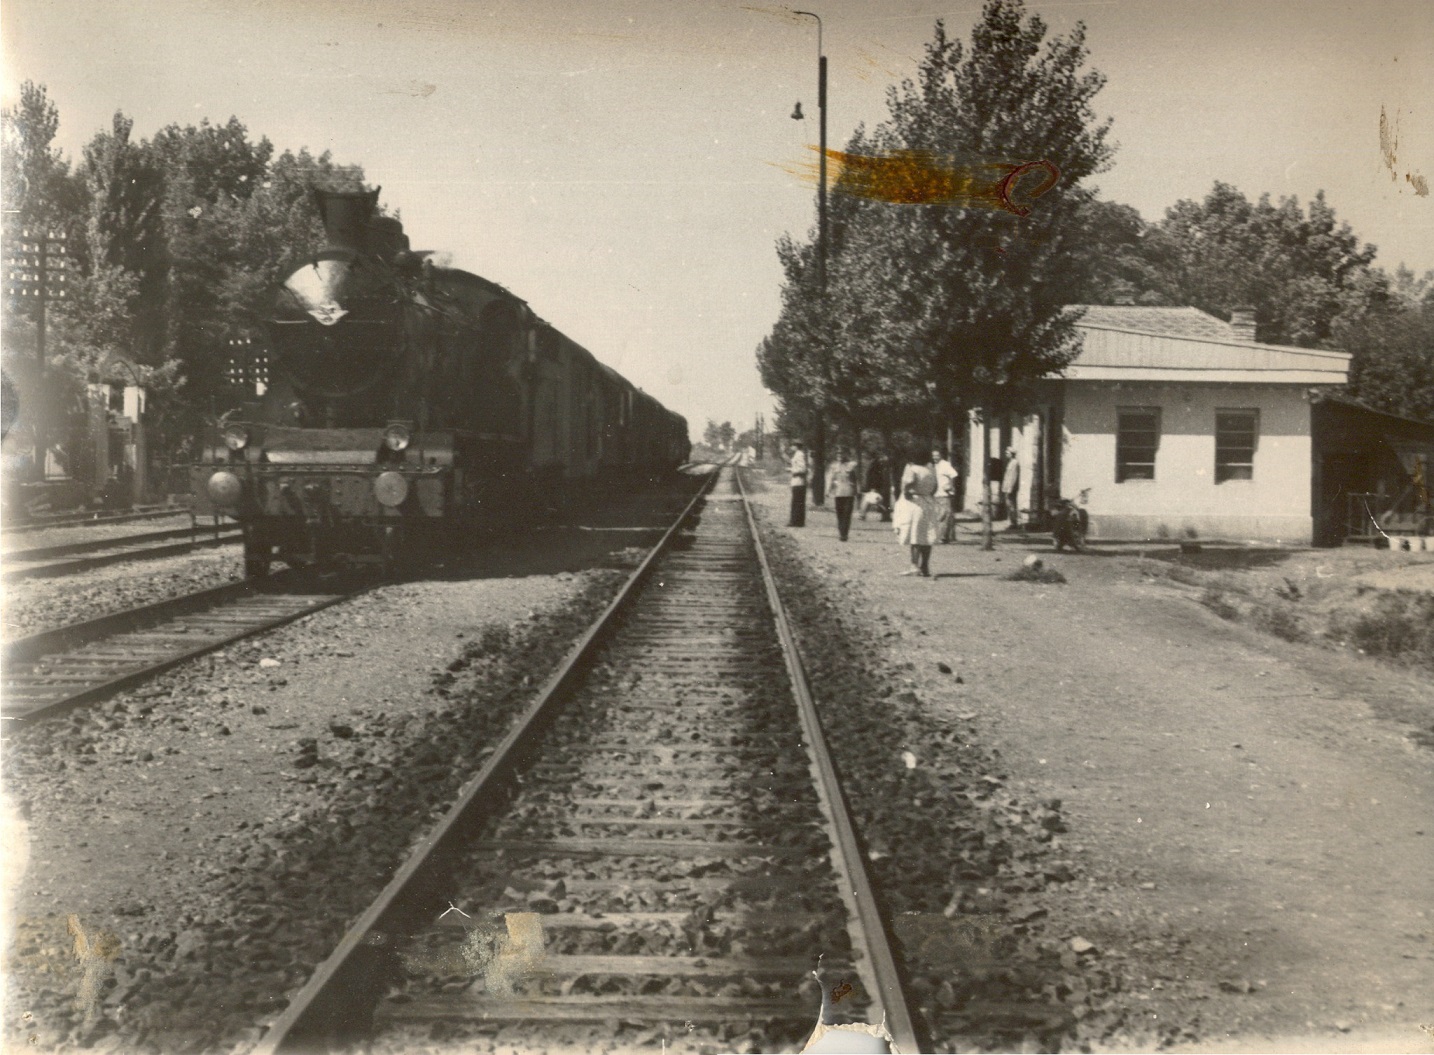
(819, 446)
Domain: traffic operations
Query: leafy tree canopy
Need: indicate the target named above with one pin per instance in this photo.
(176, 242)
(1301, 269)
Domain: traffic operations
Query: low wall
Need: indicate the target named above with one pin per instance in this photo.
(1236, 528)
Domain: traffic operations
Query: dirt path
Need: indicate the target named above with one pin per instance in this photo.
(1256, 826)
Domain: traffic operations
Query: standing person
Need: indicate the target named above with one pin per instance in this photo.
(798, 469)
(945, 495)
(841, 489)
(916, 512)
(1011, 486)
(878, 484)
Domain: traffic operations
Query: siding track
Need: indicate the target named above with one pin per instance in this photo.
(39, 562)
(50, 672)
(658, 849)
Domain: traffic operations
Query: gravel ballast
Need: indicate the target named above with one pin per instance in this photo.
(955, 851)
(34, 605)
(192, 849)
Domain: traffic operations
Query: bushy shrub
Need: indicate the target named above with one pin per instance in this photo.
(1281, 621)
(1401, 626)
(1214, 599)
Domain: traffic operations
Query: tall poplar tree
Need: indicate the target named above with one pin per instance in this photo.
(981, 291)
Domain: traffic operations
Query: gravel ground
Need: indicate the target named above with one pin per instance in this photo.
(1241, 855)
(33, 605)
(189, 851)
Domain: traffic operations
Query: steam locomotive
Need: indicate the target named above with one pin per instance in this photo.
(410, 405)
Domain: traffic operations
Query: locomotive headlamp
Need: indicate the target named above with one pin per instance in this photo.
(225, 489)
(236, 438)
(396, 438)
(390, 489)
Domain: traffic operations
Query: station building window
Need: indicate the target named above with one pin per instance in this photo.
(1137, 438)
(1236, 434)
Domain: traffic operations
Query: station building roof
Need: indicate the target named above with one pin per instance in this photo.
(1188, 345)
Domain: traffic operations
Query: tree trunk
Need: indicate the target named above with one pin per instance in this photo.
(890, 496)
(818, 475)
(987, 532)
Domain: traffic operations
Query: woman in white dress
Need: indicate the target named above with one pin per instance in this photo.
(915, 516)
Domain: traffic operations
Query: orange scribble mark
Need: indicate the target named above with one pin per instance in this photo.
(843, 990)
(917, 177)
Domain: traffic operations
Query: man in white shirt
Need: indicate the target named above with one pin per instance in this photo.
(1011, 487)
(945, 495)
(798, 470)
(841, 489)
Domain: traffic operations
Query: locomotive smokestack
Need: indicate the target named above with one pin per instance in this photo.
(346, 216)
(386, 237)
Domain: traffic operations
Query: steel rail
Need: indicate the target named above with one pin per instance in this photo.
(885, 985)
(316, 1002)
(70, 567)
(70, 549)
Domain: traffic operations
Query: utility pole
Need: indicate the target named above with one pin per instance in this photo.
(819, 446)
(38, 275)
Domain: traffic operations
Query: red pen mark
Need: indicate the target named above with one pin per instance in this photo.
(1008, 184)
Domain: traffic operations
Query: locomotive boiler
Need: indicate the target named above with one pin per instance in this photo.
(409, 405)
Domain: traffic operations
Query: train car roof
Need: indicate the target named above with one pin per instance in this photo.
(611, 374)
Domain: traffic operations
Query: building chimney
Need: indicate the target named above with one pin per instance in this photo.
(1242, 324)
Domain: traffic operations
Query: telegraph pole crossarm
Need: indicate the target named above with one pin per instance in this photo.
(38, 275)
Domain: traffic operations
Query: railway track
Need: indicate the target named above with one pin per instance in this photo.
(50, 523)
(50, 672)
(659, 848)
(38, 562)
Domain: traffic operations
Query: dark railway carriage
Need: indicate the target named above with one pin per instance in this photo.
(410, 404)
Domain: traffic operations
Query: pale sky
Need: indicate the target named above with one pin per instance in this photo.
(620, 163)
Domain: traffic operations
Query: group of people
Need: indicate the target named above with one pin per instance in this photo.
(841, 488)
(926, 504)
